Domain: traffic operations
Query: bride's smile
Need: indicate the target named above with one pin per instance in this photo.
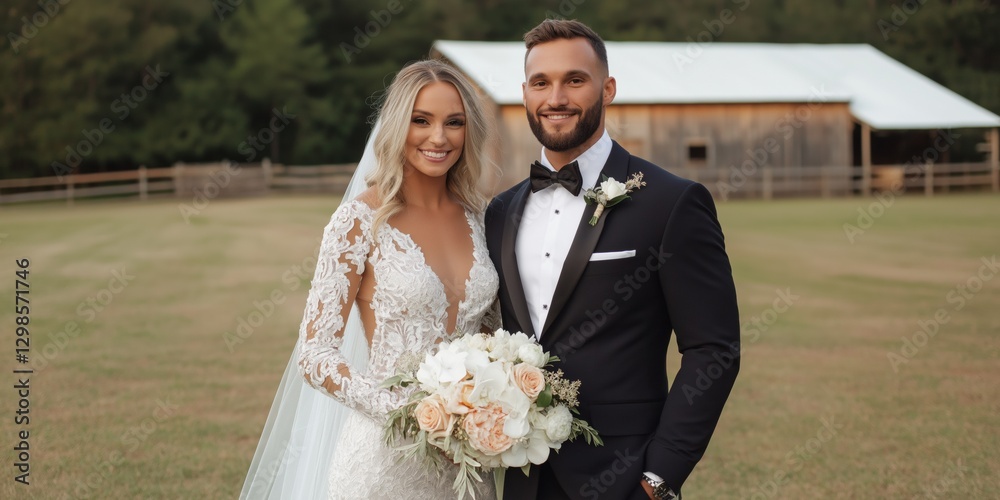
(436, 135)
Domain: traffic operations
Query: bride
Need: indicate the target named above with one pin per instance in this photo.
(403, 265)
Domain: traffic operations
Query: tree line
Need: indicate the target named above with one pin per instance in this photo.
(110, 85)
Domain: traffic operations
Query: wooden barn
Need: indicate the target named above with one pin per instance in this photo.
(751, 119)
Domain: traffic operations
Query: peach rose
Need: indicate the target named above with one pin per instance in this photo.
(431, 415)
(529, 379)
(459, 399)
(485, 429)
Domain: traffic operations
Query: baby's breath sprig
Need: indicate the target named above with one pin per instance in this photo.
(565, 391)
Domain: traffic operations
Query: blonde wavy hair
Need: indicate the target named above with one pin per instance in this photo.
(463, 179)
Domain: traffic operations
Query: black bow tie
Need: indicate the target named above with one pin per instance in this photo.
(569, 177)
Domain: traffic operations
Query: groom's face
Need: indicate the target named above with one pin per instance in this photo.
(565, 92)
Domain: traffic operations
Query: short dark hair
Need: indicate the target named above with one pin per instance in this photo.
(555, 29)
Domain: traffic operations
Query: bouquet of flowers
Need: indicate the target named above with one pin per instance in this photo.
(485, 402)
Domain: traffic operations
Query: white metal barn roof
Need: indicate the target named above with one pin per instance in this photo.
(881, 91)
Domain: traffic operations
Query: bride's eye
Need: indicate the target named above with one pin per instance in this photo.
(419, 120)
(456, 123)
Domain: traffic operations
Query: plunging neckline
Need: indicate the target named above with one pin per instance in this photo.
(437, 278)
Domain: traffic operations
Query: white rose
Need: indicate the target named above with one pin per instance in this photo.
(497, 344)
(506, 345)
(559, 424)
(532, 354)
(519, 339)
(477, 342)
(613, 188)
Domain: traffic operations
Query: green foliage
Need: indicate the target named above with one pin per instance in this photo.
(589, 433)
(545, 397)
(231, 63)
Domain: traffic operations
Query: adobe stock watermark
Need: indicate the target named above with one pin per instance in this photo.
(372, 29)
(750, 331)
(566, 9)
(761, 323)
(900, 15)
(784, 129)
(955, 474)
(957, 297)
(266, 473)
(88, 309)
(292, 278)
(219, 179)
(796, 459)
(917, 165)
(624, 289)
(714, 28)
(223, 8)
(30, 26)
(122, 108)
(92, 486)
(599, 484)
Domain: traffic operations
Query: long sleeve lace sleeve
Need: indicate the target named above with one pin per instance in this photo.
(339, 269)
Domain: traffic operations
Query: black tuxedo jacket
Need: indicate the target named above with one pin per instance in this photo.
(610, 322)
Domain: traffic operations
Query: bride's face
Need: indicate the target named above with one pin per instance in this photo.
(437, 130)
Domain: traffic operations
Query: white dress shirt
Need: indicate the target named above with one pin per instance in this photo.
(551, 217)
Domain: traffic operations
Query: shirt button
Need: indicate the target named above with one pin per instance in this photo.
(545, 306)
(557, 212)
(546, 254)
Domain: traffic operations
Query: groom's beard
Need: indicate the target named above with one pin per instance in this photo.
(586, 125)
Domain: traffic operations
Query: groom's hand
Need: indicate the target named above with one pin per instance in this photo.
(646, 487)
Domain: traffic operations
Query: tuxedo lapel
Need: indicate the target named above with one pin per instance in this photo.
(583, 245)
(508, 256)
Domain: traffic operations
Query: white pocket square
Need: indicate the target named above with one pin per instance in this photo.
(624, 254)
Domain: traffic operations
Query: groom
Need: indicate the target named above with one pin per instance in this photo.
(605, 298)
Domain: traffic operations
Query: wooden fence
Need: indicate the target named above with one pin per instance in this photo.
(319, 178)
(228, 179)
(184, 181)
(787, 182)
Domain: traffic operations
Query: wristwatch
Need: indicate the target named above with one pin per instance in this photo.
(660, 489)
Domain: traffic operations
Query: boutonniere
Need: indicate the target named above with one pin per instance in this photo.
(611, 193)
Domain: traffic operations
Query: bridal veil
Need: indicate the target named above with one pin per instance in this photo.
(300, 435)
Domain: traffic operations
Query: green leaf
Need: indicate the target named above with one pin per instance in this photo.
(614, 201)
(392, 382)
(545, 398)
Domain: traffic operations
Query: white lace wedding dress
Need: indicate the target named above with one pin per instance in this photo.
(411, 313)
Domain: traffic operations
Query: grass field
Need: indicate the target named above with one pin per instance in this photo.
(136, 393)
